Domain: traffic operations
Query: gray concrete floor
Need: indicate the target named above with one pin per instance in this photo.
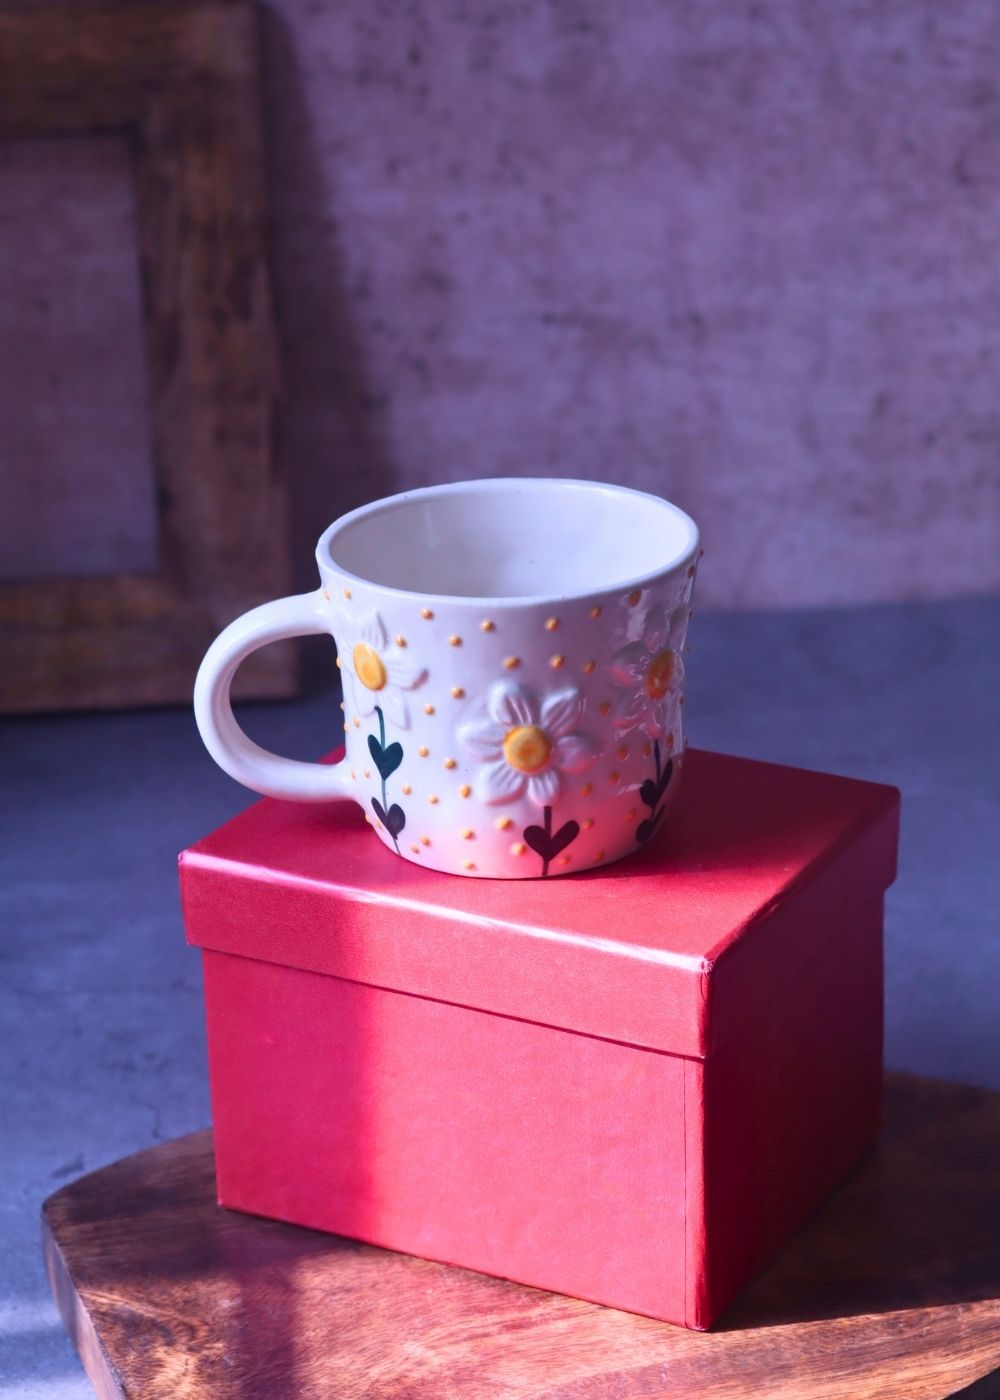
(100, 1011)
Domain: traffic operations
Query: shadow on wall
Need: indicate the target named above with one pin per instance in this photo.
(337, 453)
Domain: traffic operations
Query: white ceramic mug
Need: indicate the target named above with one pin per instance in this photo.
(512, 658)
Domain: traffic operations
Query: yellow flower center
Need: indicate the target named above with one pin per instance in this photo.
(660, 674)
(527, 748)
(369, 667)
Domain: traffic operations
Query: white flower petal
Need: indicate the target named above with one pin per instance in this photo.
(655, 719)
(656, 629)
(677, 679)
(630, 664)
(628, 708)
(365, 700)
(483, 737)
(401, 670)
(575, 753)
(394, 707)
(499, 782)
(678, 621)
(561, 712)
(371, 630)
(344, 637)
(511, 704)
(544, 788)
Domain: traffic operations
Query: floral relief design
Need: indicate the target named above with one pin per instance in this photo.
(527, 745)
(650, 673)
(387, 758)
(652, 793)
(380, 672)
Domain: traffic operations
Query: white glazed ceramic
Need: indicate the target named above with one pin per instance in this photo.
(512, 658)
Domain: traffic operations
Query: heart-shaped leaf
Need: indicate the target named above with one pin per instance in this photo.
(653, 789)
(387, 759)
(647, 830)
(548, 844)
(394, 820)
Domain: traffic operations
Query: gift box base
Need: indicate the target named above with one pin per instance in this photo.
(617, 1174)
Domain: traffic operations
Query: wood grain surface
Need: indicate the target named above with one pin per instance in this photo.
(181, 82)
(892, 1291)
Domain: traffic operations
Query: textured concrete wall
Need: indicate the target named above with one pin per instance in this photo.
(741, 254)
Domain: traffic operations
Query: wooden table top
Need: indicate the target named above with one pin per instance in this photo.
(891, 1290)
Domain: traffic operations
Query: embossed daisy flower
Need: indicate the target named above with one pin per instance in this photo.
(525, 744)
(650, 673)
(380, 672)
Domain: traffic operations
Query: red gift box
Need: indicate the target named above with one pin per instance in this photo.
(628, 1085)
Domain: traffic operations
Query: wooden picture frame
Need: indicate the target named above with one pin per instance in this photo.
(180, 80)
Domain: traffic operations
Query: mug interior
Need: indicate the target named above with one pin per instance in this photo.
(511, 538)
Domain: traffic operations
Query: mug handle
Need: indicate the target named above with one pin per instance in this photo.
(304, 614)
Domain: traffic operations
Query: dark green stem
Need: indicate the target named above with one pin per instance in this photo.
(381, 740)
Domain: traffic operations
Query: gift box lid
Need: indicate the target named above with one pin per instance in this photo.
(757, 862)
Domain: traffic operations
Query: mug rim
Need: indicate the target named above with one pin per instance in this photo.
(687, 554)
